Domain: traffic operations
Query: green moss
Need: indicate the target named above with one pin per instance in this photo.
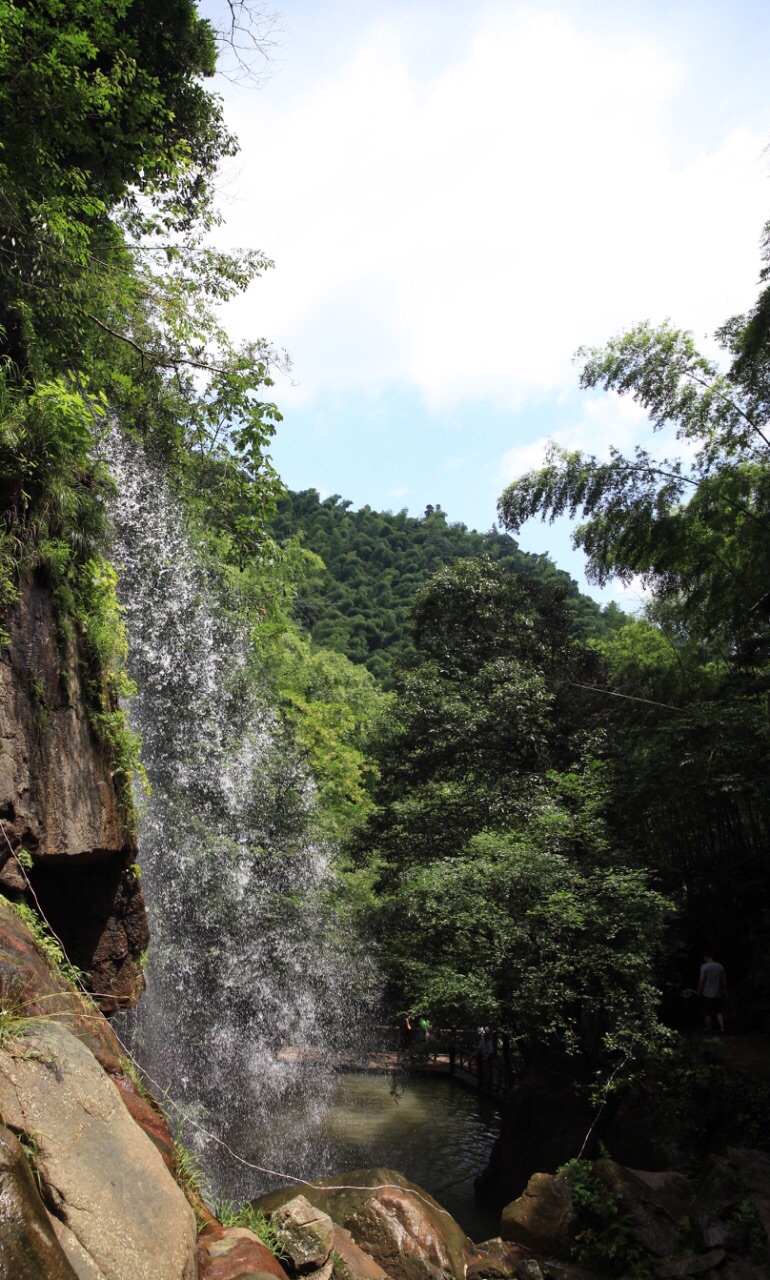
(37, 689)
(130, 1069)
(87, 596)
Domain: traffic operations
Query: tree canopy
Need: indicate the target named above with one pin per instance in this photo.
(377, 561)
(695, 528)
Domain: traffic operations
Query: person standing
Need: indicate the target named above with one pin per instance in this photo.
(712, 989)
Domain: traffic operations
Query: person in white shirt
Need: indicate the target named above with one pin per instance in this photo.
(712, 989)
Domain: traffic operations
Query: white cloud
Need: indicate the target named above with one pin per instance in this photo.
(608, 420)
(461, 227)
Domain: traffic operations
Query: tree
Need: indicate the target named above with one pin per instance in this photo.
(109, 143)
(109, 297)
(688, 736)
(515, 932)
(697, 532)
(489, 705)
(377, 562)
(501, 892)
(101, 107)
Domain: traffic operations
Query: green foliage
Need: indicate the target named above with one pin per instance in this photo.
(490, 706)
(54, 521)
(514, 932)
(377, 562)
(92, 603)
(500, 893)
(50, 946)
(329, 705)
(707, 1104)
(188, 1169)
(607, 1237)
(747, 1231)
(687, 737)
(101, 107)
(31, 1151)
(109, 143)
(232, 1215)
(130, 1069)
(697, 531)
(53, 489)
(326, 703)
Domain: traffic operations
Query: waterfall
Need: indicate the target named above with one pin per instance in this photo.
(250, 988)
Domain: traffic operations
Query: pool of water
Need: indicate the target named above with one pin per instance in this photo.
(433, 1130)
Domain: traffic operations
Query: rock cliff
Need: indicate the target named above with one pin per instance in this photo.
(59, 802)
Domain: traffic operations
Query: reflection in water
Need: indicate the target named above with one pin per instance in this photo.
(435, 1132)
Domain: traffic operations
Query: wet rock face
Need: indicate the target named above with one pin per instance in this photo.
(59, 802)
(114, 1209)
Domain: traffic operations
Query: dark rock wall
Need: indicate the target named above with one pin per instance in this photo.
(59, 802)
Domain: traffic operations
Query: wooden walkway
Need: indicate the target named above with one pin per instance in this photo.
(493, 1075)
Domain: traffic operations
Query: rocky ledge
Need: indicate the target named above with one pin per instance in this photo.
(596, 1220)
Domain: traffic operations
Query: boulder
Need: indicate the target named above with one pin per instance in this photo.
(543, 1218)
(681, 1268)
(528, 1269)
(350, 1261)
(304, 1233)
(725, 1184)
(655, 1204)
(234, 1253)
(29, 1249)
(739, 1269)
(116, 1212)
(147, 1114)
(399, 1225)
(323, 1273)
(495, 1259)
(31, 984)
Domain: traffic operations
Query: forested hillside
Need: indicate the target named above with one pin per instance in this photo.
(376, 562)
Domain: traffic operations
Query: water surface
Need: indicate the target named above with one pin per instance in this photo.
(433, 1130)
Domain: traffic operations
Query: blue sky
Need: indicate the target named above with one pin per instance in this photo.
(457, 196)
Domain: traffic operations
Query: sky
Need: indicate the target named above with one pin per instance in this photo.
(458, 196)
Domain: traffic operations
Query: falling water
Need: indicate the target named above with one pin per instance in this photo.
(250, 988)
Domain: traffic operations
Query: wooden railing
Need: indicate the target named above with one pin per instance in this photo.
(492, 1066)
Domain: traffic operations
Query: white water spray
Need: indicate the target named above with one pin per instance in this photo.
(250, 990)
